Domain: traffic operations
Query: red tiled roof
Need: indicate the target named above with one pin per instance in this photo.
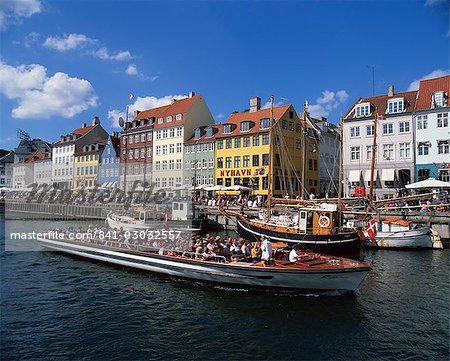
(37, 156)
(180, 106)
(237, 118)
(204, 138)
(428, 87)
(79, 131)
(379, 103)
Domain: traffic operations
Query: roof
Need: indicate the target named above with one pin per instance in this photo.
(115, 141)
(79, 131)
(101, 146)
(238, 118)
(379, 103)
(37, 156)
(180, 106)
(204, 138)
(428, 87)
(8, 158)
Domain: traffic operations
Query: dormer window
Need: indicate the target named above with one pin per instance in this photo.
(362, 110)
(227, 128)
(198, 133)
(439, 99)
(178, 117)
(395, 105)
(245, 126)
(160, 120)
(169, 119)
(264, 123)
(209, 132)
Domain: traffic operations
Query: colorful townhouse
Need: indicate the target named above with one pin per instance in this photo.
(394, 150)
(243, 154)
(6, 170)
(431, 122)
(73, 143)
(109, 168)
(199, 155)
(86, 165)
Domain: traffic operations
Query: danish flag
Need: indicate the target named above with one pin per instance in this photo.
(371, 229)
(166, 220)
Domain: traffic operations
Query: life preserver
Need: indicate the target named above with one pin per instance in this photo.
(324, 221)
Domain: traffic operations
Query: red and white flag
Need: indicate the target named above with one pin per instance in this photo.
(371, 229)
(130, 97)
(166, 220)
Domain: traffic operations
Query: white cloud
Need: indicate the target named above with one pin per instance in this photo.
(327, 103)
(67, 42)
(434, 74)
(432, 3)
(31, 39)
(144, 103)
(132, 70)
(275, 104)
(120, 55)
(40, 96)
(220, 116)
(13, 10)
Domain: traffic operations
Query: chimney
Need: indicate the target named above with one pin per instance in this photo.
(96, 120)
(136, 113)
(255, 104)
(174, 100)
(391, 91)
(191, 94)
(83, 125)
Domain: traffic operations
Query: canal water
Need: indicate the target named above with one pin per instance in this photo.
(57, 307)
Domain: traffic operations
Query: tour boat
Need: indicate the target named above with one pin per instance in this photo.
(401, 234)
(312, 272)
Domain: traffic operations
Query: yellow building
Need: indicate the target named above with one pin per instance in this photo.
(86, 164)
(242, 152)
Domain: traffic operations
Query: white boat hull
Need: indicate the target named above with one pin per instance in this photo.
(415, 238)
(134, 224)
(341, 280)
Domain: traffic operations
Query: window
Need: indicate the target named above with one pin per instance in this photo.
(246, 142)
(370, 130)
(130, 139)
(362, 110)
(157, 165)
(179, 147)
(368, 152)
(228, 162)
(256, 140)
(136, 153)
(220, 162)
(354, 153)
(158, 134)
(245, 126)
(237, 161)
(403, 127)
(291, 126)
(237, 143)
(284, 124)
(178, 117)
(209, 132)
(265, 159)
(354, 132)
(264, 123)
(388, 151)
(179, 131)
(171, 164)
(444, 175)
(227, 128)
(143, 137)
(160, 120)
(164, 164)
(422, 121)
(439, 99)
(158, 150)
(298, 144)
(130, 154)
(149, 136)
(395, 106)
(149, 152)
(423, 149)
(172, 132)
(171, 148)
(229, 143)
(211, 163)
(169, 119)
(164, 149)
(405, 150)
(164, 133)
(142, 152)
(246, 161)
(443, 146)
(388, 128)
(220, 144)
(136, 138)
(442, 120)
(255, 160)
(204, 163)
(265, 139)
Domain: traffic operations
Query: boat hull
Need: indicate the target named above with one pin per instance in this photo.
(347, 243)
(189, 226)
(341, 280)
(412, 239)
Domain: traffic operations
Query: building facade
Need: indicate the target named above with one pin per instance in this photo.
(108, 175)
(243, 154)
(67, 146)
(43, 169)
(199, 155)
(6, 170)
(432, 148)
(86, 165)
(394, 143)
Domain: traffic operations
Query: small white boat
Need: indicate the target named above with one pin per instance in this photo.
(401, 234)
(312, 272)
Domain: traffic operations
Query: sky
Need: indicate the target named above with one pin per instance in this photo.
(64, 62)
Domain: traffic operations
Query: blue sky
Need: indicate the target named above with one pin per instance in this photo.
(63, 62)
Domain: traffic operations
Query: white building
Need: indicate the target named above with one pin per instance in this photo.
(394, 161)
(6, 170)
(23, 175)
(65, 148)
(43, 169)
(432, 148)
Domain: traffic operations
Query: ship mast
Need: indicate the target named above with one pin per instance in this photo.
(340, 174)
(374, 147)
(303, 143)
(270, 175)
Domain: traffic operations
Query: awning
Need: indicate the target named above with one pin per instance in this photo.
(354, 176)
(388, 175)
(429, 183)
(367, 175)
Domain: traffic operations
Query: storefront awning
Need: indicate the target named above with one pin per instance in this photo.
(367, 175)
(354, 176)
(388, 175)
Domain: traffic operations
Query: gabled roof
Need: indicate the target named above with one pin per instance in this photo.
(8, 158)
(379, 103)
(101, 146)
(238, 118)
(37, 156)
(180, 106)
(79, 131)
(115, 141)
(205, 138)
(428, 87)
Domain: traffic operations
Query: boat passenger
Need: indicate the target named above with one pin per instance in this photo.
(266, 248)
(293, 255)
